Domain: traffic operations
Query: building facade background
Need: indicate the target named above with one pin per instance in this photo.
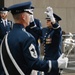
(64, 8)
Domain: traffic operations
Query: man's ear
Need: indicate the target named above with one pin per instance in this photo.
(23, 16)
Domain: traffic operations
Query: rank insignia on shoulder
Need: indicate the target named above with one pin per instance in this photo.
(33, 51)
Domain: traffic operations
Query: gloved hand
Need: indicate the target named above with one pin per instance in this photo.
(31, 18)
(49, 12)
(62, 61)
(32, 22)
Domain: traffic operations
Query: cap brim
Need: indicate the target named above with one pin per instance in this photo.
(32, 7)
(4, 11)
(57, 17)
(28, 11)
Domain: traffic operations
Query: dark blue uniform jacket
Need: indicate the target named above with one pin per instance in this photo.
(23, 48)
(4, 29)
(52, 40)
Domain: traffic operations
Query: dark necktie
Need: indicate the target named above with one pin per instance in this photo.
(5, 23)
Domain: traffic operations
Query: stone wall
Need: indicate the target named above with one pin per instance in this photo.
(64, 8)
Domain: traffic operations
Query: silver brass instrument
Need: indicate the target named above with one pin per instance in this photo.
(68, 47)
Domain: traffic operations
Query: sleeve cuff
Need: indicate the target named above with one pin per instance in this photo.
(56, 26)
(50, 66)
(32, 25)
(54, 65)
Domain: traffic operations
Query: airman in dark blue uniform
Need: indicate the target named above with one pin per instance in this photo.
(19, 55)
(35, 31)
(35, 28)
(5, 24)
(4, 28)
(52, 40)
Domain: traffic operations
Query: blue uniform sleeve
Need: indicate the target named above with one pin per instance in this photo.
(57, 29)
(56, 26)
(36, 27)
(58, 35)
(31, 57)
